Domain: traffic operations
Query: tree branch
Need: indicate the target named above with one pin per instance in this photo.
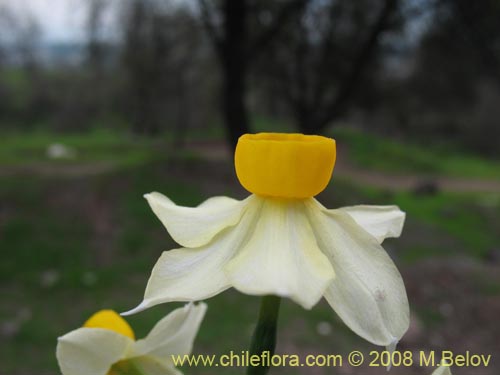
(207, 18)
(261, 41)
(348, 86)
(478, 40)
(328, 50)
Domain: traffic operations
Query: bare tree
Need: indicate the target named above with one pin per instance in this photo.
(95, 47)
(26, 36)
(322, 61)
(161, 48)
(227, 23)
(143, 63)
(480, 30)
(4, 17)
(456, 79)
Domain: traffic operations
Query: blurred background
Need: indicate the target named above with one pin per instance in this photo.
(102, 101)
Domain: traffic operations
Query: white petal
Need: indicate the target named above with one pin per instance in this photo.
(173, 335)
(91, 351)
(380, 221)
(196, 226)
(281, 257)
(368, 292)
(196, 274)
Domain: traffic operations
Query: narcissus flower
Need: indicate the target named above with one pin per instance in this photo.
(106, 344)
(282, 241)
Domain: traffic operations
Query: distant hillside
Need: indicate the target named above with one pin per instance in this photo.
(54, 53)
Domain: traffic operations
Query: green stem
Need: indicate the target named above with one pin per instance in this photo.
(125, 367)
(264, 336)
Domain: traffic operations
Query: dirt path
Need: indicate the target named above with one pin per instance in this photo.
(58, 170)
(413, 181)
(217, 151)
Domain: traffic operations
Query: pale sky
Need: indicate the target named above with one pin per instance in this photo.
(60, 20)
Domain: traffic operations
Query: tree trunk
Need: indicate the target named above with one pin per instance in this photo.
(234, 107)
(234, 70)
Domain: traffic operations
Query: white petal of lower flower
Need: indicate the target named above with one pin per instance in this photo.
(380, 221)
(443, 369)
(196, 226)
(281, 256)
(368, 292)
(174, 334)
(195, 274)
(91, 351)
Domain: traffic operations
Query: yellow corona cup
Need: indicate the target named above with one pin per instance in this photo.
(109, 319)
(284, 165)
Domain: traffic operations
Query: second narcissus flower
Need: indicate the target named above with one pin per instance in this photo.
(282, 241)
(106, 344)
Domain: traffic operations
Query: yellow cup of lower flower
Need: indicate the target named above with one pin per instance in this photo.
(284, 165)
(108, 319)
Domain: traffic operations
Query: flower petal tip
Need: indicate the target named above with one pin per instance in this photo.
(391, 348)
(147, 195)
(142, 306)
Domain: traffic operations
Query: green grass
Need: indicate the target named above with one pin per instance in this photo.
(459, 215)
(390, 155)
(99, 145)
